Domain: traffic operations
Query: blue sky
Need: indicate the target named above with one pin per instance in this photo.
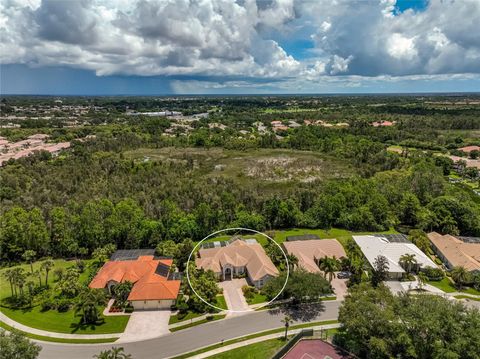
(132, 47)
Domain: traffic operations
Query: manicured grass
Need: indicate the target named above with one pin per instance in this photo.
(470, 290)
(59, 340)
(215, 317)
(5, 291)
(190, 315)
(253, 351)
(329, 298)
(280, 236)
(342, 235)
(52, 320)
(67, 322)
(257, 298)
(448, 287)
(256, 335)
(445, 284)
(467, 297)
(265, 349)
(221, 302)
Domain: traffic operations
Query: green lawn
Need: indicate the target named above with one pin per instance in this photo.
(221, 302)
(257, 298)
(260, 350)
(467, 297)
(214, 317)
(53, 320)
(265, 349)
(342, 235)
(256, 335)
(448, 287)
(445, 284)
(67, 322)
(5, 291)
(280, 236)
(190, 315)
(59, 340)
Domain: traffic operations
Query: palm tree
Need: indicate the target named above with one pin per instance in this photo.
(287, 321)
(328, 266)
(38, 273)
(114, 353)
(9, 275)
(460, 276)
(121, 292)
(19, 279)
(407, 262)
(292, 261)
(88, 303)
(47, 265)
(29, 256)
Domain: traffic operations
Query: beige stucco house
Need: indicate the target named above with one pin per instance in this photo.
(238, 258)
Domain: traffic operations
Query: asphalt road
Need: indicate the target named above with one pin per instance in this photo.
(197, 337)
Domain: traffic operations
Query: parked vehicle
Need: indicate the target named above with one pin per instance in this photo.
(344, 275)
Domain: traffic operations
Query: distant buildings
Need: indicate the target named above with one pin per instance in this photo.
(24, 148)
(383, 124)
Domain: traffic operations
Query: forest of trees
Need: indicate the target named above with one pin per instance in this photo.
(94, 196)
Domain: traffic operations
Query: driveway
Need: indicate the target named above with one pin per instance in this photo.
(232, 291)
(340, 287)
(146, 324)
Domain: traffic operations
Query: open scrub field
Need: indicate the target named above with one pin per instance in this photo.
(266, 166)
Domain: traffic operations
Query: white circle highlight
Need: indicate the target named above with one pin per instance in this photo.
(237, 229)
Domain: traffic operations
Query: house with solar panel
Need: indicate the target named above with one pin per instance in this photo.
(154, 285)
(237, 257)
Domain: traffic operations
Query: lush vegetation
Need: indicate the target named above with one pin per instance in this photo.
(99, 194)
(377, 324)
(52, 295)
(15, 345)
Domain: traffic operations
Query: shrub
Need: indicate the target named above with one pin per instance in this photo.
(248, 291)
(80, 265)
(209, 317)
(47, 303)
(62, 305)
(435, 274)
(129, 309)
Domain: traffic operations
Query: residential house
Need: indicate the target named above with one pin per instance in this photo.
(152, 286)
(311, 251)
(456, 251)
(240, 257)
(392, 247)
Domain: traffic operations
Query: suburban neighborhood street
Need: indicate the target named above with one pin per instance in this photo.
(200, 336)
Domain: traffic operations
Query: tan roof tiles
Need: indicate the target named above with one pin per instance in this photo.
(314, 249)
(457, 252)
(238, 254)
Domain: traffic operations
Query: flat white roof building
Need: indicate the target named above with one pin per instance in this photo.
(373, 246)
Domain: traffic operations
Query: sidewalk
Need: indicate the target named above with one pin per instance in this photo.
(44, 333)
(257, 340)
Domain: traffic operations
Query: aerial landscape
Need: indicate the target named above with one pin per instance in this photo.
(239, 179)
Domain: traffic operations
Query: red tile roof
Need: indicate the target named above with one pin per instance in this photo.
(148, 285)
